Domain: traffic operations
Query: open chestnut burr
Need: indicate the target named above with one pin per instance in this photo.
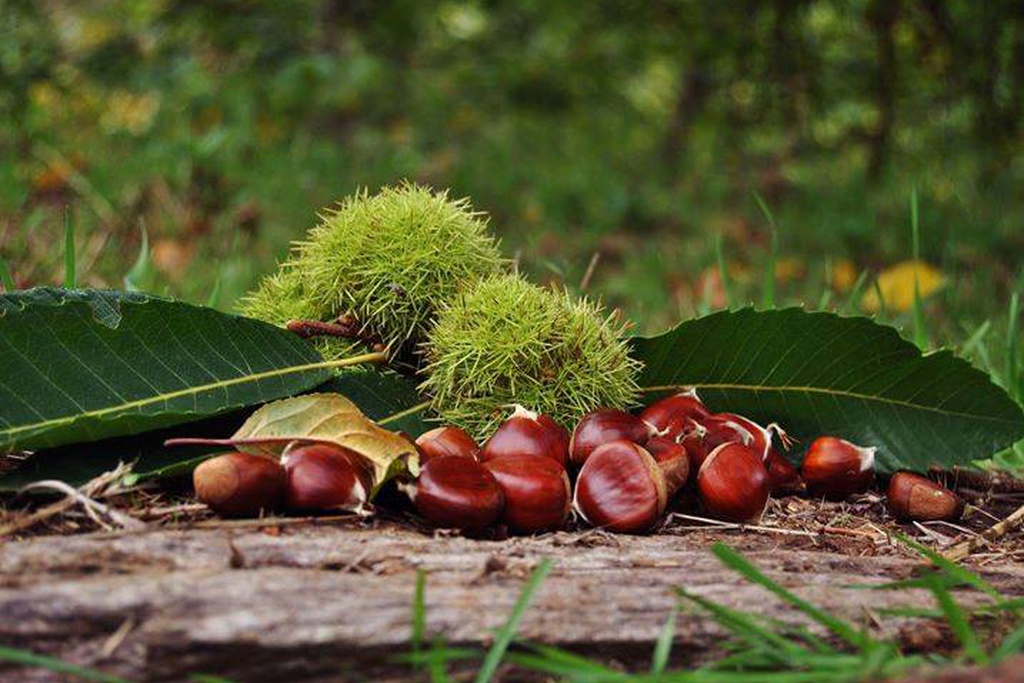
(528, 433)
(622, 488)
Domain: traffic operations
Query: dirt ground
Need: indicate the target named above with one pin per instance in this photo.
(167, 590)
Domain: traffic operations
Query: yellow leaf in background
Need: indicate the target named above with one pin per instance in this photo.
(897, 286)
(844, 275)
(788, 269)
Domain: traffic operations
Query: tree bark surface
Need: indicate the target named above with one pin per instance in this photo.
(333, 602)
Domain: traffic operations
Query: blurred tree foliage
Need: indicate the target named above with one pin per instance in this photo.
(639, 128)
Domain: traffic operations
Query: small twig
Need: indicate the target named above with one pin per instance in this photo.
(591, 267)
(93, 507)
(732, 525)
(965, 548)
(979, 479)
(117, 637)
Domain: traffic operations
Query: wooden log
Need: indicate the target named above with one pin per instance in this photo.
(334, 602)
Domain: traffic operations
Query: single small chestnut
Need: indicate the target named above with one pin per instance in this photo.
(239, 484)
(536, 489)
(913, 497)
(785, 478)
(835, 469)
(324, 477)
(530, 433)
(712, 432)
(603, 426)
(454, 492)
(446, 441)
(674, 415)
(673, 458)
(622, 488)
(733, 483)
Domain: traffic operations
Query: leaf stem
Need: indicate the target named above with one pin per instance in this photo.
(418, 408)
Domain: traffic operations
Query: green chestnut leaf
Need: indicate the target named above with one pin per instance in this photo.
(820, 373)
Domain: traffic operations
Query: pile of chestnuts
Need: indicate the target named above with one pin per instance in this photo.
(616, 471)
(628, 469)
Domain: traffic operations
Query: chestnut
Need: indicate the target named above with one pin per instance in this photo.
(835, 468)
(674, 415)
(664, 451)
(454, 492)
(239, 484)
(324, 477)
(601, 427)
(530, 433)
(785, 478)
(536, 489)
(622, 488)
(446, 441)
(913, 497)
(760, 438)
(733, 483)
(710, 433)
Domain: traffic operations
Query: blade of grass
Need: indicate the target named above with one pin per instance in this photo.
(746, 628)
(768, 296)
(419, 612)
(826, 292)
(852, 302)
(920, 328)
(957, 620)
(140, 275)
(663, 648)
(723, 270)
(508, 631)
(976, 338)
(206, 678)
(883, 308)
(739, 564)
(953, 569)
(1012, 644)
(6, 279)
(26, 658)
(1014, 383)
(69, 249)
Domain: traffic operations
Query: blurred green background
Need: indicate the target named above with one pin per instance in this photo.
(645, 132)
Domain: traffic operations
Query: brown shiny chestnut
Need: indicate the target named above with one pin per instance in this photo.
(733, 483)
(446, 440)
(455, 492)
(913, 497)
(536, 489)
(324, 477)
(785, 478)
(622, 488)
(603, 426)
(835, 469)
(528, 433)
(674, 460)
(673, 416)
(239, 484)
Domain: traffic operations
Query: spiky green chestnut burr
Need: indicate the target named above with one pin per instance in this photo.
(388, 259)
(506, 341)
